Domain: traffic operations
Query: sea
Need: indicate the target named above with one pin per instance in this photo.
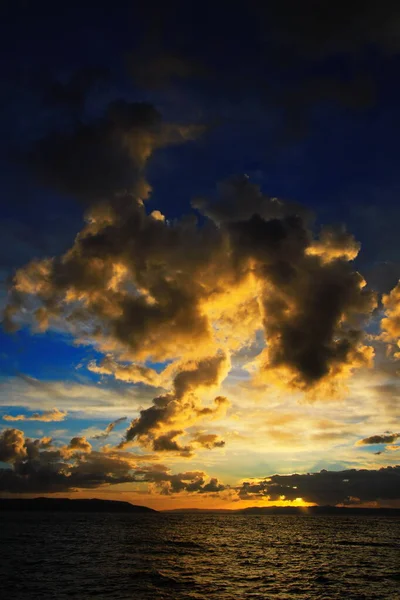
(198, 556)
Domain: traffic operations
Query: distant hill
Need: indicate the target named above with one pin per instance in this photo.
(297, 510)
(68, 505)
(200, 510)
(115, 506)
(320, 510)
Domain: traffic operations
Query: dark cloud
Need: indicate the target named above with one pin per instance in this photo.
(179, 407)
(387, 438)
(136, 252)
(191, 481)
(37, 466)
(100, 158)
(314, 28)
(213, 486)
(328, 487)
(79, 444)
(14, 447)
(288, 57)
(34, 447)
(324, 28)
(391, 323)
(308, 287)
(40, 467)
(110, 427)
(72, 93)
(238, 199)
(208, 440)
(153, 68)
(148, 288)
(167, 443)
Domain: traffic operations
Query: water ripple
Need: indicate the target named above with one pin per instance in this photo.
(199, 556)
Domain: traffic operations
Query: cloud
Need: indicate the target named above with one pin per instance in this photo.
(335, 243)
(329, 29)
(191, 481)
(72, 93)
(142, 289)
(105, 157)
(110, 427)
(387, 438)
(125, 372)
(15, 447)
(12, 445)
(391, 323)
(95, 160)
(303, 300)
(238, 199)
(156, 425)
(72, 396)
(167, 443)
(152, 68)
(46, 416)
(314, 30)
(328, 487)
(80, 444)
(213, 486)
(208, 440)
(36, 466)
(296, 57)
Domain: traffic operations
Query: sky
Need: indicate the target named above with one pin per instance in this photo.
(199, 257)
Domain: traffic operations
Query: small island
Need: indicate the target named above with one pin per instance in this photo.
(93, 505)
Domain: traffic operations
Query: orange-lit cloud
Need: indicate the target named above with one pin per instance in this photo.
(391, 323)
(161, 424)
(334, 244)
(386, 438)
(45, 416)
(141, 289)
(40, 466)
(109, 429)
(327, 487)
(250, 279)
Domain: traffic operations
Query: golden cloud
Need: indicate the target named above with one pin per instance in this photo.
(46, 416)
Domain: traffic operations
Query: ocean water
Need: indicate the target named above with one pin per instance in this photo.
(198, 556)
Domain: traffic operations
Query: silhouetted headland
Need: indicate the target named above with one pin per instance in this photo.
(68, 505)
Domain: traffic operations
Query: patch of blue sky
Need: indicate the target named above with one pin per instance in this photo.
(45, 356)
